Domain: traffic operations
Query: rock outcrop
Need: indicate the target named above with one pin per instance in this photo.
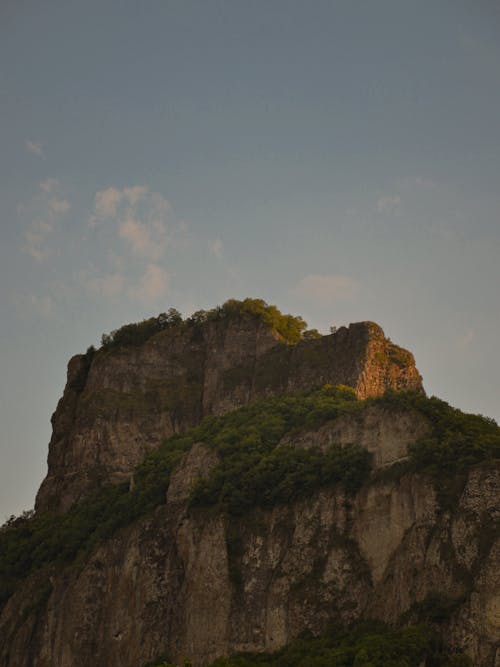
(121, 403)
(196, 584)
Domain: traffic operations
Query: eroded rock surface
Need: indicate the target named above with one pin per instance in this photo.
(121, 403)
(196, 583)
(200, 584)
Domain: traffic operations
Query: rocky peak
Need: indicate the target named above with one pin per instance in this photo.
(125, 399)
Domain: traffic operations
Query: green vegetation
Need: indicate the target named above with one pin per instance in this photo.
(246, 437)
(34, 541)
(435, 608)
(255, 470)
(289, 327)
(393, 354)
(457, 440)
(140, 332)
(368, 644)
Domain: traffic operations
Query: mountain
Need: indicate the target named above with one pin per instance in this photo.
(230, 482)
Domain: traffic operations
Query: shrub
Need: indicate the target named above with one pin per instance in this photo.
(139, 332)
(289, 327)
(457, 440)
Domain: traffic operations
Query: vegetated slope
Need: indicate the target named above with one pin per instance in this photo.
(162, 376)
(366, 644)
(263, 537)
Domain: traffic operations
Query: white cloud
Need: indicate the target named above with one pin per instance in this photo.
(216, 248)
(45, 211)
(326, 288)
(135, 193)
(140, 216)
(35, 238)
(35, 148)
(57, 205)
(146, 240)
(106, 203)
(50, 185)
(388, 203)
(153, 286)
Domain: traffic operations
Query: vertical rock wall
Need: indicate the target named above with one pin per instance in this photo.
(124, 402)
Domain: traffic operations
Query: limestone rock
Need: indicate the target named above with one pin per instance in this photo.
(124, 402)
(199, 584)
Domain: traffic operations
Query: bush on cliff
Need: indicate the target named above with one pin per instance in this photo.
(289, 327)
(139, 332)
(457, 440)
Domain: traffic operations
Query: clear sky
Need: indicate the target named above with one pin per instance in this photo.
(338, 158)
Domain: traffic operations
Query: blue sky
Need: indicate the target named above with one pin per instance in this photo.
(340, 159)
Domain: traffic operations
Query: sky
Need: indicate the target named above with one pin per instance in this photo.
(340, 159)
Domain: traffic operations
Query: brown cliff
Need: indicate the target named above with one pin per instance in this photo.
(202, 581)
(198, 584)
(120, 403)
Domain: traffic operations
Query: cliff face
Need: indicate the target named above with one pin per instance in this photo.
(121, 403)
(200, 584)
(187, 580)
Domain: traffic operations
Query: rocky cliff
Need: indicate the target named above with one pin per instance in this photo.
(187, 582)
(269, 522)
(121, 403)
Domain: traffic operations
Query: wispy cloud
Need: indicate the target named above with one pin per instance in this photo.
(140, 216)
(425, 182)
(216, 248)
(153, 286)
(105, 205)
(148, 240)
(35, 148)
(35, 239)
(388, 203)
(46, 209)
(326, 289)
(58, 206)
(50, 185)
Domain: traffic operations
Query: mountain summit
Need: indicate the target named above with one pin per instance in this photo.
(164, 375)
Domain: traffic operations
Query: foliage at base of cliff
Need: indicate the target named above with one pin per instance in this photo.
(369, 644)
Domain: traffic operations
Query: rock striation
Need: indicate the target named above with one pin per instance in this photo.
(119, 404)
